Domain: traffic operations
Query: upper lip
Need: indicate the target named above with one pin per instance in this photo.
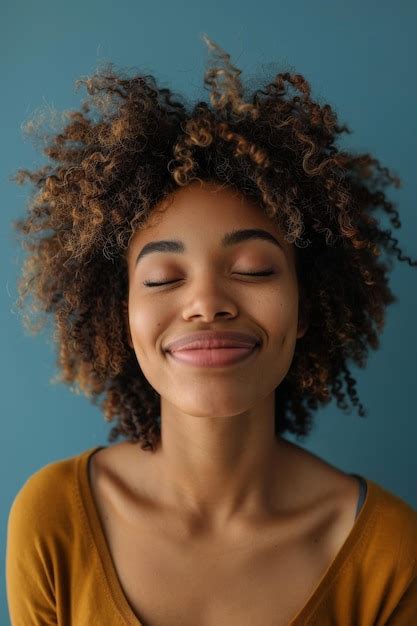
(212, 339)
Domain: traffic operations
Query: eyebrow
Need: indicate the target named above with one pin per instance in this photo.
(229, 239)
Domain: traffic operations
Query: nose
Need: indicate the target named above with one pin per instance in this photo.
(210, 299)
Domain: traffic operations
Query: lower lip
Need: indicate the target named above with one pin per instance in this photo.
(216, 357)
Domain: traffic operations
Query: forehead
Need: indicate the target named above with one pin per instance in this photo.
(201, 211)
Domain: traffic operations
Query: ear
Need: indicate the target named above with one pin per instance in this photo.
(125, 312)
(302, 328)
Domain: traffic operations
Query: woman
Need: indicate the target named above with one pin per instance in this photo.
(211, 272)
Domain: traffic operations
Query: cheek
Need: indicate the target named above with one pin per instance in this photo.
(144, 324)
(278, 309)
(278, 315)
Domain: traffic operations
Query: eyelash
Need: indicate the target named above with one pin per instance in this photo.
(148, 283)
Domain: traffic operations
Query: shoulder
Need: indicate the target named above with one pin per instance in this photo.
(386, 525)
(395, 523)
(45, 494)
(53, 477)
(41, 529)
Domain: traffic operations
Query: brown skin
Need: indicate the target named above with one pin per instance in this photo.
(218, 459)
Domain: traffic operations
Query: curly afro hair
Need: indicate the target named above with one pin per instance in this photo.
(106, 175)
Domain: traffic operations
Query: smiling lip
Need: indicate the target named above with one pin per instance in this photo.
(208, 340)
(217, 357)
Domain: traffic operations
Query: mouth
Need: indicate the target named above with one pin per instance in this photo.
(213, 357)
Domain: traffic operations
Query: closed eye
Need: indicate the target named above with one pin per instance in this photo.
(148, 283)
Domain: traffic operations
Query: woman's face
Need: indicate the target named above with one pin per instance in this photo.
(212, 292)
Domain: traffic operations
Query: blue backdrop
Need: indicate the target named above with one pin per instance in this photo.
(358, 56)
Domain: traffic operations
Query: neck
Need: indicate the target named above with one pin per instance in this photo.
(215, 471)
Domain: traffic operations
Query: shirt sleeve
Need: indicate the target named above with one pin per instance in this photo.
(29, 571)
(405, 613)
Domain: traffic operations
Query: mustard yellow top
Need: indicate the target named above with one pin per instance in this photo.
(59, 569)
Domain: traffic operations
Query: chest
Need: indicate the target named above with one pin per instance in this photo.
(166, 586)
(265, 579)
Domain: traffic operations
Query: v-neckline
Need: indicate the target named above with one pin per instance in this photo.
(360, 527)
